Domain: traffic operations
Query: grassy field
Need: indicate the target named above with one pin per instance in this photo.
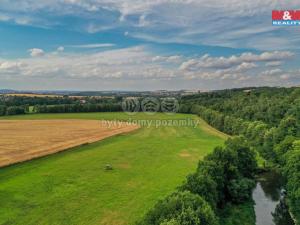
(72, 187)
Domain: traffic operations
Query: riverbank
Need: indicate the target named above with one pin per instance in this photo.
(267, 207)
(269, 197)
(238, 214)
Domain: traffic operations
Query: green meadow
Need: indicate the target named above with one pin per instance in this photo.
(73, 188)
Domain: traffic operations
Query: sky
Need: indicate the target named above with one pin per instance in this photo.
(140, 45)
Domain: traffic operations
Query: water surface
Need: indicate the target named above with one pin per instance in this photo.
(270, 208)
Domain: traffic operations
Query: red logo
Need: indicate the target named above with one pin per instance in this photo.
(286, 15)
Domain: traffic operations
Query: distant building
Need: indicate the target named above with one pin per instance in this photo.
(190, 92)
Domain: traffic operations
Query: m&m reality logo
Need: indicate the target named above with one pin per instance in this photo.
(286, 17)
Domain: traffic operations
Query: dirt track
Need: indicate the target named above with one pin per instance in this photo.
(22, 140)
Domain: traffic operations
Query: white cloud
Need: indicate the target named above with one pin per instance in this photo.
(4, 17)
(274, 63)
(245, 69)
(231, 23)
(99, 45)
(8, 65)
(285, 76)
(35, 52)
(207, 61)
(244, 66)
(132, 63)
(60, 49)
(272, 72)
(168, 59)
(279, 77)
(138, 66)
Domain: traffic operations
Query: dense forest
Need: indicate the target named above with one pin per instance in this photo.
(268, 105)
(269, 120)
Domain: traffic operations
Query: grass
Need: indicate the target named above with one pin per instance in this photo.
(72, 187)
(103, 116)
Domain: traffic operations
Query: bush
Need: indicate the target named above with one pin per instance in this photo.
(69, 108)
(246, 157)
(182, 208)
(283, 147)
(204, 186)
(170, 222)
(228, 159)
(240, 190)
(292, 171)
(2, 110)
(15, 110)
(108, 167)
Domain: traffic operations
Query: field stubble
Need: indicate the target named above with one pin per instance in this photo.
(24, 140)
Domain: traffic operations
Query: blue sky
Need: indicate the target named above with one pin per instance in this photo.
(146, 45)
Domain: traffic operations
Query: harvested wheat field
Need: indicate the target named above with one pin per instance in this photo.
(28, 139)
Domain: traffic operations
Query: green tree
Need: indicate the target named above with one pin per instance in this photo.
(292, 171)
(170, 222)
(246, 157)
(2, 110)
(240, 189)
(283, 147)
(182, 207)
(202, 185)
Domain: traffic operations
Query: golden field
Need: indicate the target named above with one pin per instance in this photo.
(22, 140)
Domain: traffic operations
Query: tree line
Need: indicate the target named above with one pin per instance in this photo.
(268, 105)
(74, 108)
(65, 108)
(273, 129)
(13, 110)
(14, 105)
(53, 100)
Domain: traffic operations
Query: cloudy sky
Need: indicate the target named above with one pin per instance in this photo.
(146, 44)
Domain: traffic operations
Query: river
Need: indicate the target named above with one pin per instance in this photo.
(270, 208)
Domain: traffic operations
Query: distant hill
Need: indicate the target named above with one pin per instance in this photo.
(7, 91)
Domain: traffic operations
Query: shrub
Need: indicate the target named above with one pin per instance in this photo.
(240, 190)
(170, 222)
(246, 157)
(2, 110)
(292, 171)
(182, 208)
(15, 110)
(202, 185)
